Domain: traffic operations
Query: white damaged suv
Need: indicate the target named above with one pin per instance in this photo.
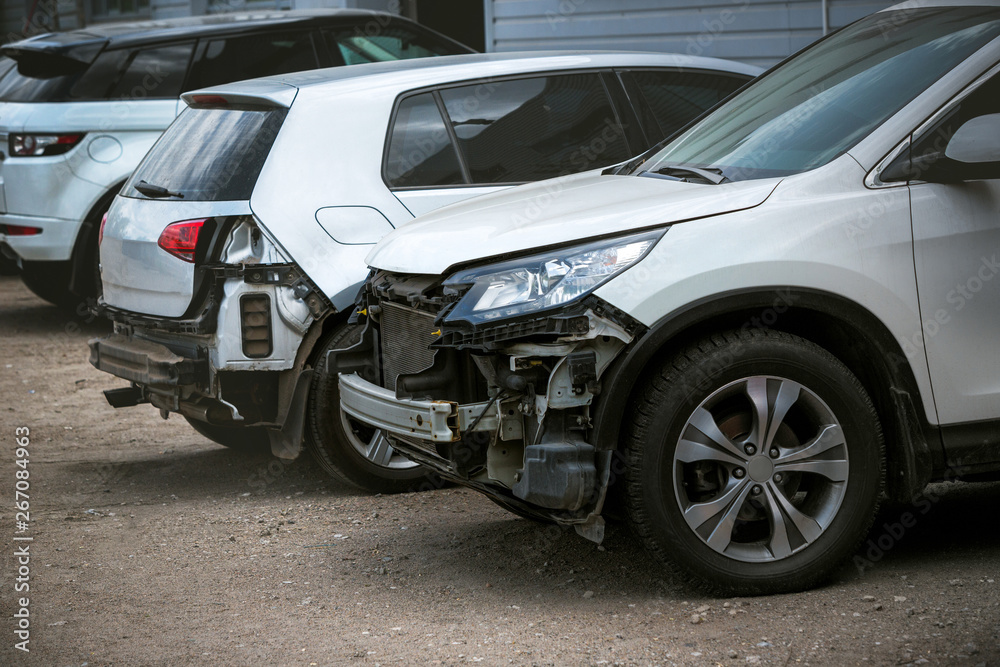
(232, 257)
(747, 336)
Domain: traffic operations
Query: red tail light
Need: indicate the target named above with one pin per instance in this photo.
(180, 239)
(100, 232)
(19, 230)
(35, 145)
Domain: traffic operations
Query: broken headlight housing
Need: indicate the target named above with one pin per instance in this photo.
(545, 280)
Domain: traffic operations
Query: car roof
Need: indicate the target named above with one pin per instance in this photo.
(408, 74)
(127, 34)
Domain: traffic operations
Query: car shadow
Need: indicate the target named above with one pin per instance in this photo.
(212, 473)
(29, 314)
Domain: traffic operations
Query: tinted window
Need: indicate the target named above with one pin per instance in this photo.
(236, 58)
(155, 73)
(373, 42)
(210, 154)
(670, 100)
(531, 129)
(91, 83)
(814, 107)
(420, 150)
(15, 87)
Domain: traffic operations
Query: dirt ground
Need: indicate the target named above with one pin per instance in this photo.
(153, 546)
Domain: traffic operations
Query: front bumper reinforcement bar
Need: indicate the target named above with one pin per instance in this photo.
(434, 421)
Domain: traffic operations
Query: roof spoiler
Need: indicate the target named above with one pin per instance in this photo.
(53, 53)
(253, 93)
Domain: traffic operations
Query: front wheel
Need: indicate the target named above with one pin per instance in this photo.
(347, 449)
(755, 463)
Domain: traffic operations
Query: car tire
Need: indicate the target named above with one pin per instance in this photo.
(746, 509)
(350, 451)
(50, 281)
(250, 439)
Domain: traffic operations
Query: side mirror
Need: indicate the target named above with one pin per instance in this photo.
(972, 154)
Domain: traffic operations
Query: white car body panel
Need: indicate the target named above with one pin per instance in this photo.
(553, 212)
(138, 275)
(422, 202)
(56, 193)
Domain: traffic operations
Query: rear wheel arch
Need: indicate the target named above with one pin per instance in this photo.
(842, 327)
(85, 251)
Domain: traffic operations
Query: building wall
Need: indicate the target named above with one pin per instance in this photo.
(759, 32)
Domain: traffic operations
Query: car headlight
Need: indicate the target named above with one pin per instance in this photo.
(545, 280)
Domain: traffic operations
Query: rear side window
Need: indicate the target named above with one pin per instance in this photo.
(221, 61)
(210, 154)
(670, 100)
(420, 150)
(375, 43)
(531, 129)
(155, 73)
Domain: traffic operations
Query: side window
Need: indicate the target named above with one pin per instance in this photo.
(376, 43)
(420, 150)
(98, 80)
(236, 58)
(531, 129)
(155, 73)
(667, 101)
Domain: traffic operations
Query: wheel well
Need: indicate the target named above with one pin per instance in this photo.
(843, 328)
(83, 250)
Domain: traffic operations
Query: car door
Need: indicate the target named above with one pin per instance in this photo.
(956, 236)
(457, 142)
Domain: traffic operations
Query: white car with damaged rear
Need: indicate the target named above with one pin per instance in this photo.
(747, 335)
(232, 257)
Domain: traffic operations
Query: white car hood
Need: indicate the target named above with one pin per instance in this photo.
(554, 212)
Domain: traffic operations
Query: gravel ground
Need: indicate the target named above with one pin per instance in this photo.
(153, 546)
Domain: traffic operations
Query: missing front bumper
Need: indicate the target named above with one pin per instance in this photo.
(431, 421)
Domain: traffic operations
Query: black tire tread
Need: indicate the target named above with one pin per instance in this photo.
(637, 430)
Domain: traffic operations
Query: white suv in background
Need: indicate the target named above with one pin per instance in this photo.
(78, 110)
(746, 336)
(232, 258)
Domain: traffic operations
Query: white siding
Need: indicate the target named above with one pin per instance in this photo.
(760, 32)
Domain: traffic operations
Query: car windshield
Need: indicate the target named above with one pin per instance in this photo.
(814, 107)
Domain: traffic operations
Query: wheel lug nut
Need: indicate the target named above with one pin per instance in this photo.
(774, 452)
(750, 450)
(778, 478)
(756, 490)
(739, 473)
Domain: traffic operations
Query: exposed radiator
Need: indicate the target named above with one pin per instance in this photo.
(406, 335)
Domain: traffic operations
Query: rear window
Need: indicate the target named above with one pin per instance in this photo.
(210, 154)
